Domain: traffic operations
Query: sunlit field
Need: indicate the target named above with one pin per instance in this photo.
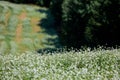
(20, 28)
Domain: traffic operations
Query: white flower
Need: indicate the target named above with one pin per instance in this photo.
(43, 79)
(84, 70)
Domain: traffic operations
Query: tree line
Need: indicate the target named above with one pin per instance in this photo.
(84, 22)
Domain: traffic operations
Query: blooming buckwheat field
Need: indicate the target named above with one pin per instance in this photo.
(81, 65)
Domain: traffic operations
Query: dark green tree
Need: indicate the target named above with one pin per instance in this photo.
(103, 23)
(90, 22)
(56, 10)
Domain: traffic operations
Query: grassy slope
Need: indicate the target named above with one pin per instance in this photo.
(19, 29)
(84, 65)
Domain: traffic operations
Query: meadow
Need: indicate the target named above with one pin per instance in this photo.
(21, 30)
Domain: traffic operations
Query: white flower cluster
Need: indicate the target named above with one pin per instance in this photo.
(86, 65)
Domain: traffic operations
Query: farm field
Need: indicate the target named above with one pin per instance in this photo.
(21, 30)
(27, 28)
(82, 65)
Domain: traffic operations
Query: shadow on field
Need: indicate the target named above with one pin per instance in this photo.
(48, 22)
(52, 39)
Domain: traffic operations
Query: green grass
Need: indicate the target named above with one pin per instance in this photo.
(82, 65)
(12, 23)
(2, 28)
(16, 20)
(2, 18)
(27, 26)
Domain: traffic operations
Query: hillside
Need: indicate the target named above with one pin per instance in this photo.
(25, 28)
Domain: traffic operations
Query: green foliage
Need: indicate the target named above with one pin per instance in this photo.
(56, 10)
(103, 23)
(91, 23)
(83, 65)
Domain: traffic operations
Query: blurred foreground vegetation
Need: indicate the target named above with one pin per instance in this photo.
(82, 65)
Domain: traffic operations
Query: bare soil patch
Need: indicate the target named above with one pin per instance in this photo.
(22, 16)
(35, 26)
(18, 36)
